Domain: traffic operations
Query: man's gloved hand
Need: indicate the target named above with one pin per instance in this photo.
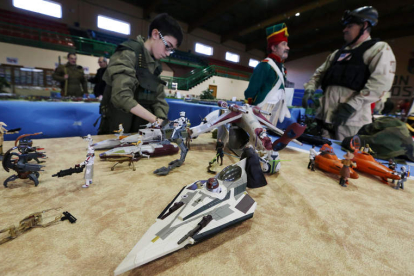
(342, 114)
(308, 95)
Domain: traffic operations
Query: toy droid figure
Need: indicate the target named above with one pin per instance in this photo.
(404, 174)
(312, 155)
(345, 171)
(213, 185)
(182, 120)
(88, 164)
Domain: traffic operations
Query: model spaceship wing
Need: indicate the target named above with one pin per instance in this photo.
(196, 213)
(275, 129)
(227, 117)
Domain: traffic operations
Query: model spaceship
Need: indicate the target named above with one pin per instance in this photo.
(329, 162)
(366, 163)
(200, 210)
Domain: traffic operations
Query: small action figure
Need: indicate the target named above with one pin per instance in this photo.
(4, 131)
(404, 174)
(219, 151)
(367, 150)
(119, 132)
(312, 155)
(345, 171)
(183, 120)
(88, 163)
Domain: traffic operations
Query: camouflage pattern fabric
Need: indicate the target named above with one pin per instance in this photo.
(388, 137)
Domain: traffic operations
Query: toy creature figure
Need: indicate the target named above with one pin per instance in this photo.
(183, 120)
(34, 220)
(21, 165)
(404, 175)
(220, 152)
(312, 155)
(345, 171)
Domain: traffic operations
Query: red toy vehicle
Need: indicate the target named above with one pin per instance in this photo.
(329, 162)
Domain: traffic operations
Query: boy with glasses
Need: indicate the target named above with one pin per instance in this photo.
(134, 94)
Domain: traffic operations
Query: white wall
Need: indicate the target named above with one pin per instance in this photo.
(226, 88)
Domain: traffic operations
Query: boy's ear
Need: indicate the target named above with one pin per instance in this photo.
(154, 34)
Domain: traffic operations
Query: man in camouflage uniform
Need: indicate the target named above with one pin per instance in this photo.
(134, 94)
(71, 78)
(353, 77)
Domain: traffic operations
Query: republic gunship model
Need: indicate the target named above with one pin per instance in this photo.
(245, 128)
(200, 210)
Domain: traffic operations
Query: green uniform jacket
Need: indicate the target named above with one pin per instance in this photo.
(75, 81)
(261, 82)
(125, 93)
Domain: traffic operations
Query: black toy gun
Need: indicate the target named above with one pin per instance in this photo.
(68, 216)
(203, 223)
(313, 140)
(70, 171)
(14, 130)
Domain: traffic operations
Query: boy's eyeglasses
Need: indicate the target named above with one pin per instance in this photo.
(167, 47)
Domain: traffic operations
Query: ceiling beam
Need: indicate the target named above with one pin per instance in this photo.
(281, 17)
(391, 33)
(212, 13)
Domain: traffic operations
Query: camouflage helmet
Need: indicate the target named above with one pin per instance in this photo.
(361, 15)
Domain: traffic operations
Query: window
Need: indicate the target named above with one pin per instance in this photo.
(232, 57)
(253, 62)
(204, 49)
(114, 25)
(40, 6)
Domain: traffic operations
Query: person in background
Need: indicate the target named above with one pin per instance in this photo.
(100, 84)
(71, 77)
(267, 85)
(353, 77)
(134, 93)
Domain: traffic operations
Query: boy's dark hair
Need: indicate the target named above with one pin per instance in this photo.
(167, 26)
(71, 53)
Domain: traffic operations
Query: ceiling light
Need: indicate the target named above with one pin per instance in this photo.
(297, 14)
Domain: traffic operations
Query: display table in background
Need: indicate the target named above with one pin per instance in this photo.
(68, 119)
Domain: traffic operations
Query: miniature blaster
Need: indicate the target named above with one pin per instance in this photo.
(203, 223)
(172, 209)
(70, 171)
(11, 131)
(68, 216)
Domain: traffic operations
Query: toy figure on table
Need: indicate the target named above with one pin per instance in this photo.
(175, 132)
(219, 151)
(4, 131)
(345, 171)
(312, 155)
(404, 175)
(367, 150)
(35, 220)
(88, 163)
